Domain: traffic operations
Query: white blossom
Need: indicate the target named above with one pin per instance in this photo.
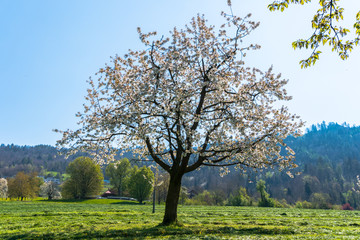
(3, 188)
(187, 101)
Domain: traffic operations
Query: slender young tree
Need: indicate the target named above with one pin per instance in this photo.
(118, 173)
(189, 101)
(140, 183)
(265, 201)
(50, 190)
(3, 188)
(357, 189)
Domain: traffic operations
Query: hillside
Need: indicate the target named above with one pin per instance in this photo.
(332, 142)
(328, 156)
(15, 158)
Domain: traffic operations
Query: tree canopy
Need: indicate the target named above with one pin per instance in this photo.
(3, 188)
(24, 185)
(140, 183)
(187, 101)
(50, 190)
(86, 179)
(118, 173)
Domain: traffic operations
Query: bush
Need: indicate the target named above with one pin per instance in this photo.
(193, 201)
(240, 198)
(347, 206)
(207, 198)
(281, 203)
(204, 198)
(336, 207)
(266, 202)
(304, 204)
(219, 197)
(320, 201)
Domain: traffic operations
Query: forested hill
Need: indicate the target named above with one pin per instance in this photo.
(40, 158)
(15, 158)
(332, 142)
(328, 156)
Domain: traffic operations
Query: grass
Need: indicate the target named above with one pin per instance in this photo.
(114, 219)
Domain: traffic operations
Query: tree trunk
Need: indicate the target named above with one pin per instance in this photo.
(172, 200)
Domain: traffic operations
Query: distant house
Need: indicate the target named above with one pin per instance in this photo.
(108, 193)
(50, 179)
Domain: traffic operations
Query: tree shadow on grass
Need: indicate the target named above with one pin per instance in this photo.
(123, 202)
(155, 232)
(64, 200)
(91, 201)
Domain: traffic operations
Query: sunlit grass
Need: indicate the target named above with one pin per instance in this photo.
(109, 218)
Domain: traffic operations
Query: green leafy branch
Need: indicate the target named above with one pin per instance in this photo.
(325, 30)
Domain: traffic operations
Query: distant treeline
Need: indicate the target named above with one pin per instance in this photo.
(14, 159)
(328, 156)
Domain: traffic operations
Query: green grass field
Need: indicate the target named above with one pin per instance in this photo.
(113, 219)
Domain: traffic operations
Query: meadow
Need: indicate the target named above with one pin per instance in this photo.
(114, 219)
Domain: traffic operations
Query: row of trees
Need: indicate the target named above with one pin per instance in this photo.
(86, 179)
(241, 197)
(14, 159)
(138, 183)
(21, 186)
(28, 186)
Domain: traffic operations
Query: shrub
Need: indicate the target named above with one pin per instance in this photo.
(347, 206)
(204, 198)
(320, 201)
(266, 202)
(304, 204)
(193, 201)
(219, 197)
(281, 203)
(240, 198)
(336, 207)
(207, 198)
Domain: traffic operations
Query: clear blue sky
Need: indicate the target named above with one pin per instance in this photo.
(48, 49)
